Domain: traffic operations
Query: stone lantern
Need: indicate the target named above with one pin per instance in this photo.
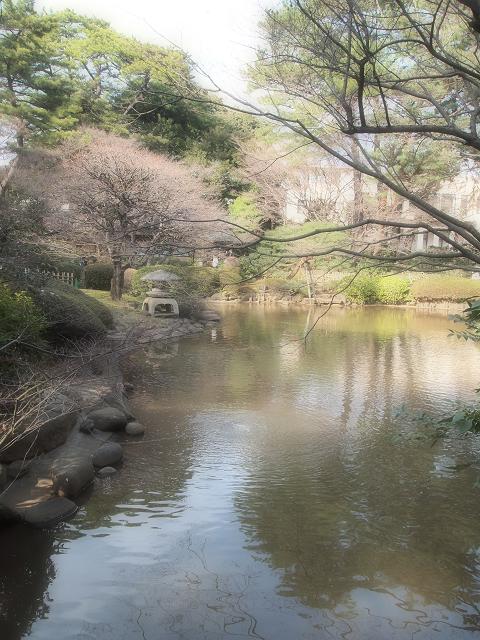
(159, 302)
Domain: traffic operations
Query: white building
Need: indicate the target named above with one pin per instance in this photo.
(328, 194)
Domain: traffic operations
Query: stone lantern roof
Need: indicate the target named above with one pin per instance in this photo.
(160, 276)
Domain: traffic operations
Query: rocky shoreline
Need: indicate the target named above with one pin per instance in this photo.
(46, 469)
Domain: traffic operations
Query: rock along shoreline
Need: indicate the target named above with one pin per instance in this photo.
(44, 471)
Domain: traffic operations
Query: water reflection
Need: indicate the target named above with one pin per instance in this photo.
(271, 497)
(26, 571)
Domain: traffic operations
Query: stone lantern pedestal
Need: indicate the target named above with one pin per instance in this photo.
(159, 304)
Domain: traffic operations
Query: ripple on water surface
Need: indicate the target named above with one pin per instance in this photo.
(274, 495)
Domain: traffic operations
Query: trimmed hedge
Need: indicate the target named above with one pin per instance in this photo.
(448, 288)
(98, 276)
(70, 313)
(371, 289)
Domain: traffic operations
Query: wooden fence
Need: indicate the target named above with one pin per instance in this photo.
(64, 276)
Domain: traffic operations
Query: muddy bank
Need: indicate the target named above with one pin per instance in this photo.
(78, 440)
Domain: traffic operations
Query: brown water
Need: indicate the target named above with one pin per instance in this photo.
(275, 495)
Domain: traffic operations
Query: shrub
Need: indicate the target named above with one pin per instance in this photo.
(244, 210)
(70, 312)
(452, 289)
(98, 276)
(369, 289)
(68, 266)
(252, 264)
(229, 275)
(19, 316)
(393, 290)
(196, 282)
(363, 290)
(279, 285)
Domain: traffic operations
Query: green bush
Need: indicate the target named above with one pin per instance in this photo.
(452, 289)
(229, 275)
(252, 264)
(369, 289)
(244, 210)
(98, 276)
(19, 316)
(393, 290)
(278, 285)
(71, 313)
(363, 290)
(195, 282)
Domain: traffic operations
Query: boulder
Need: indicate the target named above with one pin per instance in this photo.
(118, 402)
(47, 436)
(49, 513)
(108, 419)
(135, 429)
(3, 475)
(127, 278)
(17, 469)
(69, 481)
(104, 472)
(108, 454)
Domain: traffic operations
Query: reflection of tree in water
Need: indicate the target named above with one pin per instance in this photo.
(331, 525)
(26, 572)
(360, 509)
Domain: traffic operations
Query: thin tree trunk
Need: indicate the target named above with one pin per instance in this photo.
(309, 280)
(117, 279)
(358, 204)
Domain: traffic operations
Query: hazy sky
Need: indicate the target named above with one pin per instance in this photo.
(219, 34)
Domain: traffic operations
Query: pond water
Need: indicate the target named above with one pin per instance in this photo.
(275, 494)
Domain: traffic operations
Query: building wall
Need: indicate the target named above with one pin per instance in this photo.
(333, 188)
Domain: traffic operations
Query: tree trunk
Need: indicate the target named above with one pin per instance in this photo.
(117, 279)
(309, 280)
(357, 197)
(358, 204)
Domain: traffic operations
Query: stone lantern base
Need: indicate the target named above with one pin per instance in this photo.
(157, 303)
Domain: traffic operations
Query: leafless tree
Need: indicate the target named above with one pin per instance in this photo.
(373, 85)
(133, 203)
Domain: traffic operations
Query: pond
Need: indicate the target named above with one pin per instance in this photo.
(276, 495)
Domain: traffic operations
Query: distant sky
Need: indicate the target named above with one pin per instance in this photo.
(218, 34)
